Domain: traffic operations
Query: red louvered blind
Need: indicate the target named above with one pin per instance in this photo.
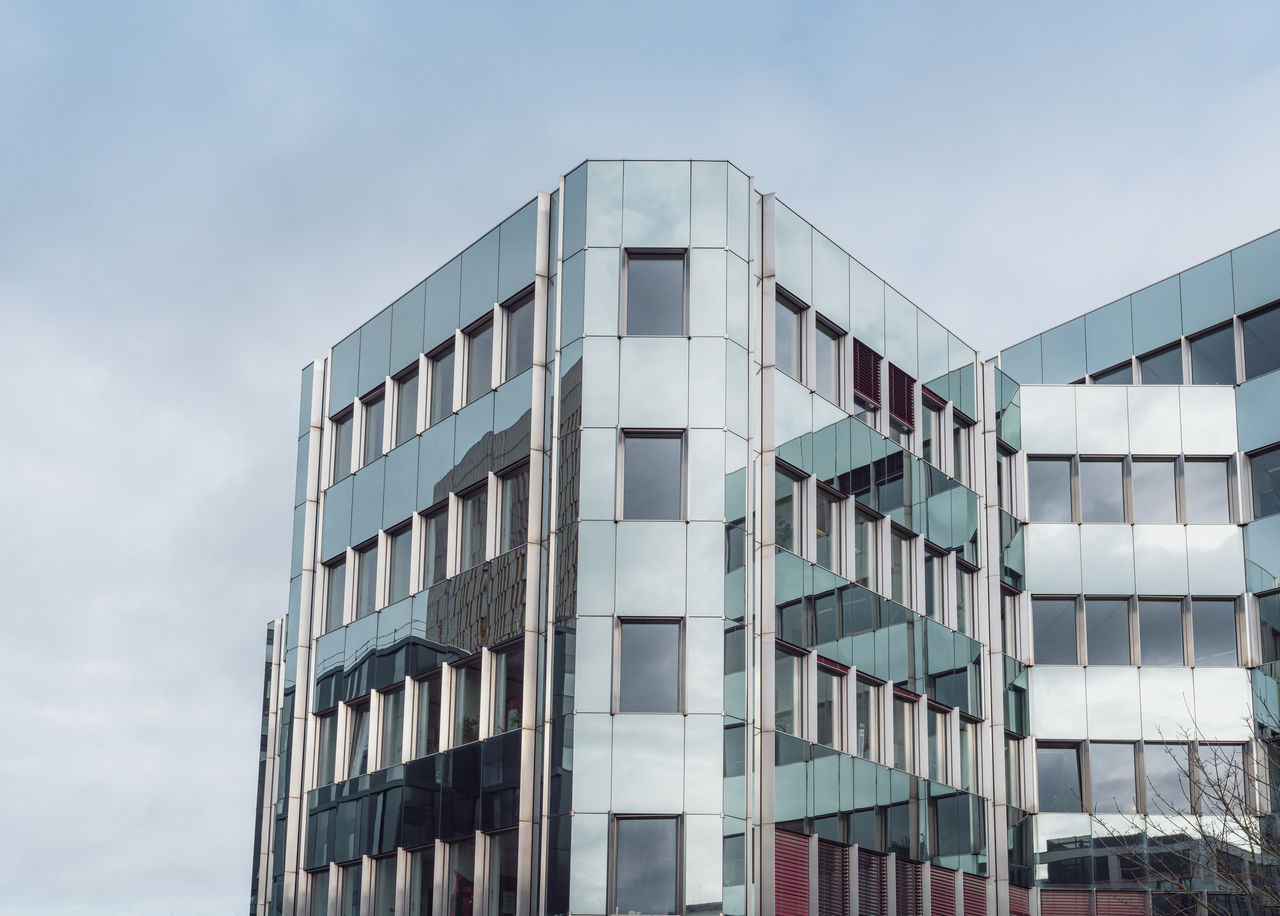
(942, 891)
(902, 402)
(975, 895)
(1019, 901)
(866, 372)
(1121, 903)
(871, 883)
(909, 900)
(833, 879)
(791, 874)
(1064, 903)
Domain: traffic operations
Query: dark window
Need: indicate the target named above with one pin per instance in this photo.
(508, 690)
(1107, 630)
(1049, 489)
(479, 362)
(320, 893)
(519, 356)
(503, 860)
(1213, 632)
(902, 396)
(342, 447)
(460, 880)
(435, 555)
(406, 407)
(1206, 488)
(1054, 624)
(826, 357)
(401, 558)
(1120, 375)
(422, 880)
(649, 666)
(1112, 773)
(1167, 766)
(653, 475)
(789, 338)
(427, 716)
(1154, 493)
(1058, 770)
(366, 580)
(475, 516)
(1102, 491)
(1213, 358)
(1261, 343)
(1264, 475)
(515, 509)
(1163, 368)
(1160, 632)
(1269, 621)
(392, 747)
(384, 886)
(327, 748)
(441, 386)
(358, 741)
(373, 410)
(866, 374)
(335, 595)
(646, 867)
(930, 426)
(788, 499)
(655, 295)
(466, 703)
(830, 708)
(349, 890)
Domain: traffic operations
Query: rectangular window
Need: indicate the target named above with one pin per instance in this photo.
(788, 693)
(1213, 632)
(934, 570)
(460, 879)
(372, 408)
(1213, 358)
(349, 890)
(653, 476)
(519, 355)
(646, 865)
(1269, 624)
(435, 555)
(514, 531)
(966, 599)
(1058, 771)
(1013, 770)
(1168, 789)
(366, 580)
(1208, 502)
(384, 886)
(1154, 492)
(504, 851)
(969, 755)
(1261, 343)
(789, 338)
(1264, 477)
(830, 708)
(401, 543)
(788, 499)
(648, 666)
(1049, 489)
(441, 386)
(1004, 481)
(826, 358)
(900, 568)
(357, 740)
(1102, 491)
(392, 746)
(828, 530)
(466, 703)
(654, 304)
(508, 690)
(406, 407)
(1160, 632)
(1054, 625)
(320, 893)
(866, 378)
(342, 429)
(335, 595)
(939, 758)
(864, 550)
(962, 436)
(867, 715)
(1112, 776)
(1162, 368)
(422, 881)
(904, 733)
(1107, 630)
(1220, 778)
(930, 427)
(479, 362)
(1009, 625)
(427, 721)
(475, 516)
(1120, 375)
(326, 747)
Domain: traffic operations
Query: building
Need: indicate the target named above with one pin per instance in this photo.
(655, 556)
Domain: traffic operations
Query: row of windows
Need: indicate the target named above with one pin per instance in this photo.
(1156, 491)
(1135, 631)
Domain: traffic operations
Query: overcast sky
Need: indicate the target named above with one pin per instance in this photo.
(197, 199)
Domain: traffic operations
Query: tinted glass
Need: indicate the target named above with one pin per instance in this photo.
(466, 704)
(933, 570)
(422, 879)
(1107, 630)
(515, 510)
(342, 448)
(1213, 632)
(655, 295)
(1269, 620)
(519, 338)
(1154, 494)
(1160, 632)
(929, 420)
(900, 569)
(1168, 791)
(320, 893)
(1049, 489)
(828, 530)
(1206, 489)
(786, 510)
(384, 886)
(1054, 623)
(1112, 772)
(366, 581)
(460, 880)
(441, 386)
(1261, 343)
(937, 726)
(327, 750)
(1102, 491)
(867, 714)
(961, 435)
(649, 667)
(864, 547)
(1213, 358)
(392, 728)
(335, 597)
(786, 693)
(479, 363)
(1059, 773)
(652, 477)
(372, 450)
(1264, 474)
(436, 553)
(475, 508)
(401, 557)
(1163, 368)
(1120, 375)
(904, 730)
(828, 708)
(407, 408)
(827, 364)
(645, 881)
(508, 686)
(428, 717)
(349, 882)
(789, 339)
(503, 859)
(358, 746)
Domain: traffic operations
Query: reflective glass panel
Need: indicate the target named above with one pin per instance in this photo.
(1163, 368)
(460, 879)
(900, 569)
(930, 419)
(645, 865)
(1049, 489)
(828, 530)
(826, 368)
(938, 762)
(366, 581)
(1058, 769)
(519, 356)
(1269, 621)
(475, 509)
(358, 745)
(1160, 632)
(479, 362)
(508, 690)
(904, 733)
(504, 851)
(864, 547)
(1261, 343)
(1168, 791)
(867, 713)
(406, 407)
(1013, 770)
(649, 667)
(392, 728)
(1221, 778)
(335, 596)
(320, 893)
(787, 706)
(830, 715)
(1112, 774)
(969, 756)
(373, 410)
(342, 447)
(384, 886)
(349, 888)
(1213, 632)
(1264, 477)
(466, 704)
(789, 339)
(961, 434)
(652, 477)
(436, 551)
(327, 748)
(1213, 358)
(1102, 491)
(515, 510)
(787, 498)
(1054, 625)
(965, 599)
(655, 295)
(401, 558)
(1120, 375)
(1107, 629)
(1206, 489)
(934, 568)
(422, 880)
(428, 717)
(441, 386)
(1155, 499)
(1004, 481)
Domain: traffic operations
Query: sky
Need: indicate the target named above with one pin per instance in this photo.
(198, 199)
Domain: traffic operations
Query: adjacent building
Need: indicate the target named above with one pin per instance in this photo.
(655, 556)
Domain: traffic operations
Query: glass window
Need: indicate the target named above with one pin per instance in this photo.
(460, 880)
(1167, 766)
(900, 568)
(475, 516)
(1163, 368)
(1102, 491)
(969, 755)
(519, 356)
(826, 358)
(649, 666)
(655, 295)
(1154, 493)
(966, 599)
(326, 748)
(934, 569)
(1264, 477)
(435, 556)
(504, 851)
(441, 386)
(939, 758)
(899, 432)
(828, 530)
(864, 550)
(342, 447)
(1049, 489)
(1013, 770)
(392, 748)
(788, 702)
(1261, 343)
(335, 596)
(930, 423)
(371, 449)
(427, 739)
(653, 474)
(904, 733)
(366, 580)
(1206, 487)
(479, 362)
(515, 509)
(646, 867)
(1213, 358)
(1004, 481)
(401, 561)
(320, 893)
(358, 740)
(349, 890)
(1111, 772)
(508, 690)
(1213, 631)
(384, 886)
(789, 339)
(466, 703)
(422, 880)
(1107, 630)
(830, 708)
(866, 710)
(1058, 769)
(1220, 778)
(1120, 375)
(1054, 624)
(1269, 623)
(1160, 632)
(406, 407)
(1009, 627)
(961, 434)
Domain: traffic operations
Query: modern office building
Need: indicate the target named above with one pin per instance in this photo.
(655, 556)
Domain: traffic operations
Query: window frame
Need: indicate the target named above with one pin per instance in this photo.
(392, 535)
(678, 858)
(325, 771)
(409, 373)
(498, 694)
(839, 675)
(524, 298)
(822, 327)
(680, 623)
(373, 449)
(836, 502)
(875, 731)
(652, 254)
(470, 337)
(799, 310)
(344, 419)
(429, 515)
(505, 479)
(354, 710)
(460, 538)
(362, 562)
(424, 688)
(799, 528)
(626, 433)
(1083, 778)
(385, 698)
(1253, 504)
(335, 599)
(447, 350)
(457, 718)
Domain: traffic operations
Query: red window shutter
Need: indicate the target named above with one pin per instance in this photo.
(909, 901)
(1064, 903)
(833, 879)
(871, 883)
(866, 372)
(1019, 901)
(791, 874)
(942, 891)
(975, 895)
(1121, 903)
(902, 402)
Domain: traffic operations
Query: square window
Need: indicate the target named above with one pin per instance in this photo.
(366, 580)
(864, 550)
(441, 386)
(1208, 501)
(788, 693)
(427, 716)
(649, 666)
(349, 890)
(1112, 772)
(435, 555)
(900, 568)
(653, 475)
(515, 509)
(466, 703)
(1213, 358)
(519, 337)
(1261, 343)
(1160, 632)
(384, 886)
(475, 515)
(655, 294)
(828, 527)
(401, 543)
(422, 881)
(1107, 630)
(826, 358)
(406, 407)
(504, 850)
(1162, 368)
(788, 501)
(335, 595)
(392, 745)
(1054, 624)
(460, 879)
(646, 865)
(1154, 492)
(830, 708)
(1213, 632)
(904, 732)
(1102, 491)
(1049, 489)
(508, 690)
(372, 408)
(342, 430)
(479, 377)
(357, 740)
(1264, 480)
(867, 716)
(326, 747)
(1058, 769)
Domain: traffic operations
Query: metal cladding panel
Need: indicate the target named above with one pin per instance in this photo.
(942, 891)
(908, 901)
(1019, 901)
(833, 879)
(791, 874)
(1121, 903)
(1064, 903)
(975, 895)
(871, 883)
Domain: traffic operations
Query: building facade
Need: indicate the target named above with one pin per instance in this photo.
(655, 556)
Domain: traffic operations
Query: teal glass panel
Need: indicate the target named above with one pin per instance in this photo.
(655, 201)
(1206, 294)
(366, 501)
(709, 204)
(400, 486)
(900, 332)
(1261, 334)
(1108, 337)
(575, 211)
(1213, 358)
(737, 295)
(866, 306)
(300, 477)
(299, 531)
(573, 278)
(934, 357)
(1163, 367)
(739, 208)
(707, 285)
(344, 373)
(1064, 353)
(336, 535)
(600, 294)
(1262, 547)
(604, 203)
(375, 351)
(793, 246)
(435, 463)
(304, 401)
(473, 442)
(479, 279)
(443, 289)
(1255, 273)
(1157, 315)
(408, 319)
(1256, 402)
(517, 250)
(1121, 375)
(1023, 363)
(830, 281)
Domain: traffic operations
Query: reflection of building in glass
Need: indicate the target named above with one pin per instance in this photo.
(655, 556)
